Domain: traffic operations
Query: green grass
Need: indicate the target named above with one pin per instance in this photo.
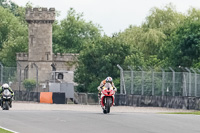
(4, 131)
(193, 113)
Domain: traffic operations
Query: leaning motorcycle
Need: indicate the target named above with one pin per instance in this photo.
(107, 98)
(6, 99)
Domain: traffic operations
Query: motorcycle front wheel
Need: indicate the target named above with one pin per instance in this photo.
(5, 105)
(108, 102)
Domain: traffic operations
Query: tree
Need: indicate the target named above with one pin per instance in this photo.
(29, 84)
(165, 20)
(13, 37)
(73, 32)
(99, 60)
(153, 36)
(185, 43)
(163, 23)
(144, 44)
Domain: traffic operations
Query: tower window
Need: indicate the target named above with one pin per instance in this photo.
(47, 54)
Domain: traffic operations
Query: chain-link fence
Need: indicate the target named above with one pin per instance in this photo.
(8, 75)
(88, 98)
(147, 83)
(14, 77)
(160, 83)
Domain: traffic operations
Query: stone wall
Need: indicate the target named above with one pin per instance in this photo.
(158, 101)
(37, 14)
(22, 56)
(67, 61)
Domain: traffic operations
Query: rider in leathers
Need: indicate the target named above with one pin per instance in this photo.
(6, 86)
(107, 80)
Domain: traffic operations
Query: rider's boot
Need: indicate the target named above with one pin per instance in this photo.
(10, 103)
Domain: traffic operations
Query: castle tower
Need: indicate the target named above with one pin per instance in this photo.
(40, 42)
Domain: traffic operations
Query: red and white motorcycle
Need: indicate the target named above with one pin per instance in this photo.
(107, 98)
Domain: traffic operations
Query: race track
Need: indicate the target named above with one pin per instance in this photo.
(43, 118)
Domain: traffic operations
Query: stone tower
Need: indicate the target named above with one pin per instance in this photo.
(40, 56)
(40, 42)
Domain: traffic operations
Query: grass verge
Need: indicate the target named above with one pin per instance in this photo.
(4, 131)
(193, 113)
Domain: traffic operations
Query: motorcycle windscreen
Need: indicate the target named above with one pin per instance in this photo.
(6, 92)
(108, 85)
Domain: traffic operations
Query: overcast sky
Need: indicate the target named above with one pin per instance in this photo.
(112, 15)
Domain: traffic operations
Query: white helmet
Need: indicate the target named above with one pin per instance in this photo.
(5, 86)
(109, 79)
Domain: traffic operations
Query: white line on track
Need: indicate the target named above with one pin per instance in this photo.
(8, 129)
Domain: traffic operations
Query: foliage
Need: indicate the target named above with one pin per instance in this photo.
(166, 38)
(185, 43)
(161, 23)
(13, 37)
(16, 10)
(165, 20)
(145, 46)
(73, 32)
(99, 60)
(29, 84)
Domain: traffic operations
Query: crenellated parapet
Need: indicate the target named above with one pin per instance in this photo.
(40, 15)
(22, 56)
(65, 57)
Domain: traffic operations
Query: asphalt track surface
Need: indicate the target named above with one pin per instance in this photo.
(90, 119)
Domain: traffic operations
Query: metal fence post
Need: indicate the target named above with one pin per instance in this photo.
(163, 81)
(184, 85)
(189, 80)
(19, 75)
(1, 73)
(195, 82)
(142, 82)
(19, 80)
(173, 78)
(36, 67)
(131, 79)
(152, 81)
(122, 83)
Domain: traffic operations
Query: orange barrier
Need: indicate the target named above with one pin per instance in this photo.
(46, 97)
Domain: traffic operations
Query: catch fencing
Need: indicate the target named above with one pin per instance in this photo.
(145, 83)
(8, 75)
(152, 83)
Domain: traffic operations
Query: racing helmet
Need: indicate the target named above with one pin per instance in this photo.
(5, 86)
(109, 80)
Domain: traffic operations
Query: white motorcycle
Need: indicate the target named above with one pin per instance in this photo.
(6, 99)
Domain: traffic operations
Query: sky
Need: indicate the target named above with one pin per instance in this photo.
(112, 15)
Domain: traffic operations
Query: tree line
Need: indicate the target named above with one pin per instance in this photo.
(165, 38)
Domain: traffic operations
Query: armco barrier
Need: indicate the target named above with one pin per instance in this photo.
(52, 97)
(58, 98)
(26, 96)
(42, 97)
(158, 101)
(46, 97)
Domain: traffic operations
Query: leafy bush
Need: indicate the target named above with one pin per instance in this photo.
(29, 84)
